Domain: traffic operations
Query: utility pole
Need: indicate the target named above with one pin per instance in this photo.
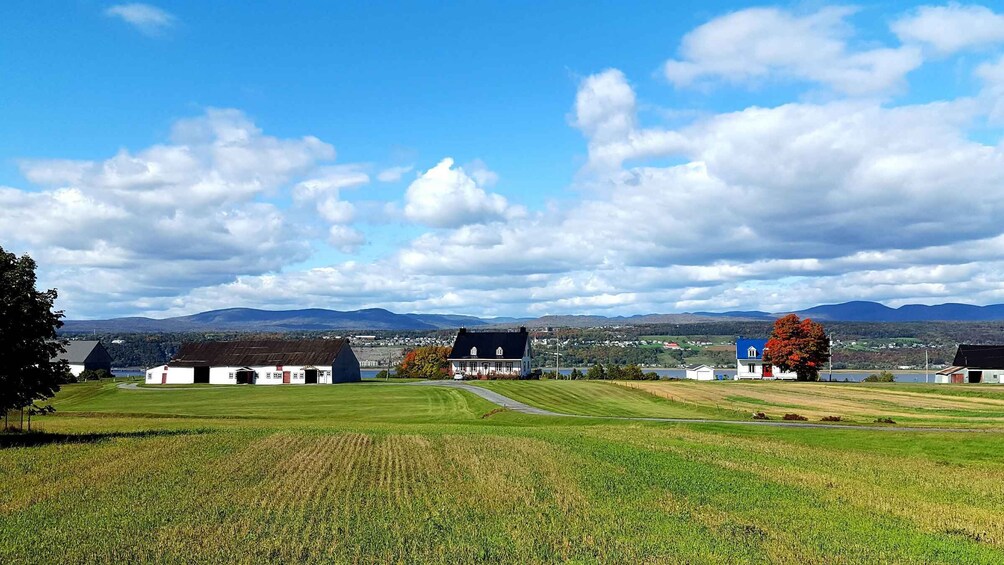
(926, 366)
(831, 358)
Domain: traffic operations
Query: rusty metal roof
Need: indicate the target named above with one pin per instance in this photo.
(258, 353)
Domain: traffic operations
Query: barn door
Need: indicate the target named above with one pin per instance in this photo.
(163, 378)
(285, 377)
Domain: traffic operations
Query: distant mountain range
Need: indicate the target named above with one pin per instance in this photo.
(250, 319)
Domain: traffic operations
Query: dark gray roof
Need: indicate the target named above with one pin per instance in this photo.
(695, 367)
(980, 356)
(258, 352)
(79, 351)
(513, 344)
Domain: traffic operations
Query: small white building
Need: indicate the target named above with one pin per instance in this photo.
(491, 355)
(84, 355)
(261, 362)
(701, 372)
(750, 365)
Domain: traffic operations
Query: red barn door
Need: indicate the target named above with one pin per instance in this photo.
(285, 377)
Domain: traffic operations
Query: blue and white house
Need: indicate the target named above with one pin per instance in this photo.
(750, 365)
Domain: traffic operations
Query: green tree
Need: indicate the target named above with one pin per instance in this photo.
(576, 375)
(615, 372)
(632, 373)
(596, 372)
(426, 362)
(801, 346)
(28, 340)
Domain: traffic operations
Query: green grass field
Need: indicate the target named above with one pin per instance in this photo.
(394, 473)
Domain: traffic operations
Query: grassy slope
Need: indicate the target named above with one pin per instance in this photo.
(395, 473)
(598, 398)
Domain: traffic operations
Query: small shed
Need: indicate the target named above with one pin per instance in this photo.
(701, 372)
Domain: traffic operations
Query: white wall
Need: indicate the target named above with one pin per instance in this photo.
(75, 370)
(476, 367)
(702, 374)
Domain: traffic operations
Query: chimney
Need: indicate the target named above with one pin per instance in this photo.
(462, 330)
(522, 329)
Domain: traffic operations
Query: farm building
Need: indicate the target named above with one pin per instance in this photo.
(701, 372)
(491, 355)
(750, 365)
(85, 356)
(262, 362)
(975, 364)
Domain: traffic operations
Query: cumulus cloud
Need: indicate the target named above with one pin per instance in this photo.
(760, 44)
(192, 212)
(951, 28)
(447, 197)
(148, 19)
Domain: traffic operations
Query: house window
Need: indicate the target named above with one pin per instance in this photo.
(474, 352)
(508, 366)
(751, 352)
(230, 376)
(498, 352)
(268, 375)
(752, 368)
(498, 366)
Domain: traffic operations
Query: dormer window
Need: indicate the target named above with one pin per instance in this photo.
(498, 352)
(474, 352)
(751, 352)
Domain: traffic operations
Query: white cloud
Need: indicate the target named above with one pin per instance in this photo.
(951, 28)
(447, 197)
(760, 44)
(168, 218)
(394, 174)
(148, 19)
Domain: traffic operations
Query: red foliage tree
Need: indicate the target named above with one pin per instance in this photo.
(427, 362)
(798, 345)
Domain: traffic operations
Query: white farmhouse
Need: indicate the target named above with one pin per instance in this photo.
(491, 355)
(701, 372)
(261, 362)
(750, 365)
(84, 355)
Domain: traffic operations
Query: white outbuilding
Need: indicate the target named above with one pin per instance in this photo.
(262, 362)
(701, 372)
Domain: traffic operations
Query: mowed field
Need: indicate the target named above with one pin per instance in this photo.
(390, 473)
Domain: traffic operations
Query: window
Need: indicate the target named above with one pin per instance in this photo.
(508, 366)
(751, 352)
(230, 376)
(498, 352)
(474, 352)
(498, 366)
(752, 368)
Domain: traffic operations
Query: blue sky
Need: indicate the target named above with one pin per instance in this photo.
(507, 158)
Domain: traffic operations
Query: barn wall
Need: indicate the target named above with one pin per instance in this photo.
(180, 375)
(345, 368)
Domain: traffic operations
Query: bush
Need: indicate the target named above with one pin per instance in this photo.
(830, 419)
(884, 421)
(760, 416)
(798, 417)
(384, 374)
(883, 377)
(94, 375)
(651, 376)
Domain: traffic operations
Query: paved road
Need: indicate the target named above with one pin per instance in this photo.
(506, 402)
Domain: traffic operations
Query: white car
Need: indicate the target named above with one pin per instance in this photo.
(458, 376)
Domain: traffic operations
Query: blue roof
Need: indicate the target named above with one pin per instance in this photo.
(743, 346)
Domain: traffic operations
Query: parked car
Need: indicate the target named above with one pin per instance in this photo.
(458, 376)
